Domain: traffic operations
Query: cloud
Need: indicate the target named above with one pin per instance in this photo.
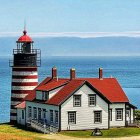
(75, 34)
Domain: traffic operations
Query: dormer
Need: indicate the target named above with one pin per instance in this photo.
(51, 85)
(42, 95)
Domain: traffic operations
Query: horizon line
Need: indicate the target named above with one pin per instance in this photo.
(74, 34)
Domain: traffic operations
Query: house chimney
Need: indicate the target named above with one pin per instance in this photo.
(54, 72)
(100, 73)
(72, 74)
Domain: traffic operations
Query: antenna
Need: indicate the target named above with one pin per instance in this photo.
(24, 32)
(24, 24)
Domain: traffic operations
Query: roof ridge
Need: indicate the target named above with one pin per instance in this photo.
(73, 92)
(70, 82)
(59, 85)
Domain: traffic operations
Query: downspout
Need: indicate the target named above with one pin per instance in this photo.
(108, 116)
(125, 116)
(59, 118)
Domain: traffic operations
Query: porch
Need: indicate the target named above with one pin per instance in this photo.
(42, 126)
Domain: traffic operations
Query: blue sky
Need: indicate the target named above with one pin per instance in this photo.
(57, 16)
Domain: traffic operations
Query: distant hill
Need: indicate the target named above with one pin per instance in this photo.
(72, 46)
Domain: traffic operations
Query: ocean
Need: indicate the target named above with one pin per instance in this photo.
(125, 69)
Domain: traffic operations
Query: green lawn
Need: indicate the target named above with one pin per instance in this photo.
(113, 132)
(10, 132)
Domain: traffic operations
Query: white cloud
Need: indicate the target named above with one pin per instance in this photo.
(75, 34)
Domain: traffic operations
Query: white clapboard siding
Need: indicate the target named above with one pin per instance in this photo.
(115, 123)
(42, 106)
(18, 95)
(53, 92)
(84, 114)
(13, 118)
(24, 80)
(132, 115)
(24, 73)
(15, 102)
(13, 110)
(23, 87)
(20, 120)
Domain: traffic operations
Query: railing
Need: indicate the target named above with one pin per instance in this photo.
(136, 123)
(32, 51)
(42, 127)
(37, 52)
(11, 63)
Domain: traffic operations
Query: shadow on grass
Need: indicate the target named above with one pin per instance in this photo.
(21, 127)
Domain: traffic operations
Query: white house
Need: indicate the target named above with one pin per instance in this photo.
(77, 103)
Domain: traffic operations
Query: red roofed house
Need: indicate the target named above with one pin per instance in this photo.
(76, 104)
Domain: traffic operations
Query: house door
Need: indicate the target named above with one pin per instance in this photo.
(39, 114)
(44, 116)
(128, 116)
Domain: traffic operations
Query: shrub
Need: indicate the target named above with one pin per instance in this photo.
(137, 114)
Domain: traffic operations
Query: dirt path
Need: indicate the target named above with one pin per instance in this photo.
(63, 137)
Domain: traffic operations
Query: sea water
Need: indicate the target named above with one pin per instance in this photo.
(125, 69)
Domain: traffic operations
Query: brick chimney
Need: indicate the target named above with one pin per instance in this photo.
(54, 72)
(72, 74)
(100, 73)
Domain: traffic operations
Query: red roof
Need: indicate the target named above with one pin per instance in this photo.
(65, 92)
(108, 88)
(21, 105)
(32, 95)
(25, 37)
(53, 83)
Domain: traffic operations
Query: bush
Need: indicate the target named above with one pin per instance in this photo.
(137, 114)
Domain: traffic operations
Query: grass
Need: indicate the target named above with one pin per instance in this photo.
(113, 132)
(11, 132)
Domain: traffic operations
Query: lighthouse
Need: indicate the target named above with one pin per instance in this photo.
(25, 63)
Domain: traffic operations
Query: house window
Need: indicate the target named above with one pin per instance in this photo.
(51, 116)
(97, 116)
(56, 117)
(45, 95)
(71, 117)
(35, 113)
(39, 113)
(110, 114)
(92, 100)
(44, 113)
(77, 100)
(119, 114)
(22, 114)
(29, 112)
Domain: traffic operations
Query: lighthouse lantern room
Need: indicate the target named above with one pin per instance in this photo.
(24, 72)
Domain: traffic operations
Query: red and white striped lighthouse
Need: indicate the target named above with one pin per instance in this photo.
(24, 72)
